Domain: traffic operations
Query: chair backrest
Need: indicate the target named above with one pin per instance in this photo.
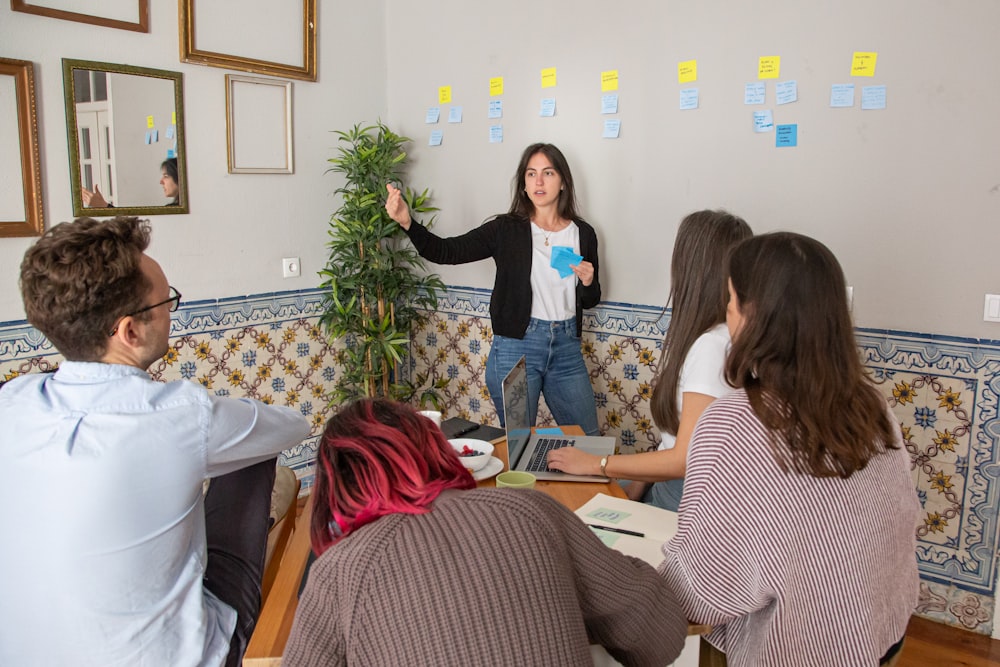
(283, 499)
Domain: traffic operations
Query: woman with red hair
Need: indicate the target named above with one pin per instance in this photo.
(419, 567)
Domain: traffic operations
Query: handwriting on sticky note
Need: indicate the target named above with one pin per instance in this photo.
(496, 109)
(612, 128)
(786, 136)
(433, 114)
(496, 134)
(785, 92)
(753, 93)
(435, 139)
(763, 121)
(609, 515)
(455, 115)
(149, 122)
(609, 81)
(444, 95)
(689, 98)
(609, 103)
(548, 107)
(687, 71)
(496, 86)
(873, 97)
(549, 77)
(863, 63)
(842, 95)
(769, 67)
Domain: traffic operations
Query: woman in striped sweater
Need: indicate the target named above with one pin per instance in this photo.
(796, 538)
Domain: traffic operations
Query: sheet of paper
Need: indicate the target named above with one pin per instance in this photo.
(562, 258)
(753, 93)
(842, 95)
(656, 525)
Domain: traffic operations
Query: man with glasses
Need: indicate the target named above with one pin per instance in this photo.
(115, 556)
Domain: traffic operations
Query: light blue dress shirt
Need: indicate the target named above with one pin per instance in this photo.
(102, 512)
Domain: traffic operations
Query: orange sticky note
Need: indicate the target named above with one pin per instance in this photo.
(769, 67)
(444, 95)
(496, 86)
(549, 77)
(609, 80)
(687, 71)
(863, 63)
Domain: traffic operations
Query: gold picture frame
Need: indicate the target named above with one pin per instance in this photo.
(190, 52)
(141, 24)
(23, 72)
(259, 125)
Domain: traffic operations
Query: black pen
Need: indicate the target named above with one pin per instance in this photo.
(617, 530)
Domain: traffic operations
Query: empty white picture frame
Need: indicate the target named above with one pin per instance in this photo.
(259, 125)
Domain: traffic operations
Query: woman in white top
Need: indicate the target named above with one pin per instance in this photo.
(690, 375)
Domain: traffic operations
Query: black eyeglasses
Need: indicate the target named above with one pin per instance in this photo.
(174, 301)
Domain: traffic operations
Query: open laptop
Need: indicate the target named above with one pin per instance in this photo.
(528, 451)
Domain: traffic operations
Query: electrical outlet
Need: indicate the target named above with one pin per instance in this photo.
(290, 267)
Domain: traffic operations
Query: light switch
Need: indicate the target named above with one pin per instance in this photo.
(991, 311)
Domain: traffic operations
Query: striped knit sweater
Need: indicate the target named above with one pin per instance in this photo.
(792, 570)
(488, 577)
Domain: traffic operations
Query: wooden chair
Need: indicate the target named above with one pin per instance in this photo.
(283, 499)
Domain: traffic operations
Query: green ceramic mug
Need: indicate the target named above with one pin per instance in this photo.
(515, 479)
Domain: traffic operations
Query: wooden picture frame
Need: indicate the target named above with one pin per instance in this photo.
(190, 52)
(141, 24)
(33, 224)
(259, 125)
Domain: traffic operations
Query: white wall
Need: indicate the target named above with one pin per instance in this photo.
(240, 225)
(907, 197)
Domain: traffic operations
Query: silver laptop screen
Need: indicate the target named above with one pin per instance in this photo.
(515, 411)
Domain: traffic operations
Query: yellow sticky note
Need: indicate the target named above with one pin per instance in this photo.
(496, 86)
(149, 122)
(609, 80)
(549, 77)
(444, 95)
(173, 117)
(769, 67)
(687, 71)
(863, 63)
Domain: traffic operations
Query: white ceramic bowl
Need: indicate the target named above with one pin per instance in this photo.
(474, 462)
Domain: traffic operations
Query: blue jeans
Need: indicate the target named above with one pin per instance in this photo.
(556, 370)
(665, 495)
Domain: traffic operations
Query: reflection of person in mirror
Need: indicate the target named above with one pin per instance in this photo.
(168, 180)
(407, 543)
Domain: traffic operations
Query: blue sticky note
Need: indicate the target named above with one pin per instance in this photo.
(548, 107)
(455, 115)
(763, 121)
(842, 95)
(496, 134)
(609, 103)
(154, 136)
(170, 132)
(171, 153)
(433, 114)
(549, 431)
(147, 137)
(786, 135)
(785, 92)
(562, 258)
(754, 93)
(496, 109)
(873, 97)
(435, 139)
(612, 128)
(689, 98)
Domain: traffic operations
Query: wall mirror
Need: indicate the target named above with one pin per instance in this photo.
(123, 14)
(125, 128)
(20, 171)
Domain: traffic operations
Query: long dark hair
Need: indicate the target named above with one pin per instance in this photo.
(379, 457)
(170, 166)
(796, 357)
(521, 204)
(698, 297)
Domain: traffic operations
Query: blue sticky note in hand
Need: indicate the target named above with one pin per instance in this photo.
(562, 259)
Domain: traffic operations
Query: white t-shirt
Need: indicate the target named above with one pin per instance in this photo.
(703, 371)
(553, 298)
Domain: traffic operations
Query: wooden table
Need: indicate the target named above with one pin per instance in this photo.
(275, 622)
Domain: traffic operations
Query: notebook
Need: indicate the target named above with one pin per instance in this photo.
(528, 451)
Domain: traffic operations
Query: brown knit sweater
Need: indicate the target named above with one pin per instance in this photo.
(488, 577)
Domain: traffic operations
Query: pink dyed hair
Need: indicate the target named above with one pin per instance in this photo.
(379, 457)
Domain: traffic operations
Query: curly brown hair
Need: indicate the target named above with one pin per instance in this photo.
(80, 277)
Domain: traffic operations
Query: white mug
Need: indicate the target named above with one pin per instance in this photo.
(433, 415)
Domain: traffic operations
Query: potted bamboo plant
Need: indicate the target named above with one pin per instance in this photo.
(375, 288)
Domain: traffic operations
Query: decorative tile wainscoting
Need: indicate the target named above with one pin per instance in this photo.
(943, 392)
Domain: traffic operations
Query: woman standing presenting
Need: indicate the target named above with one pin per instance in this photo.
(534, 311)
(690, 374)
(796, 540)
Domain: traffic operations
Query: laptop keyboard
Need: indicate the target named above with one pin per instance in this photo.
(539, 458)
